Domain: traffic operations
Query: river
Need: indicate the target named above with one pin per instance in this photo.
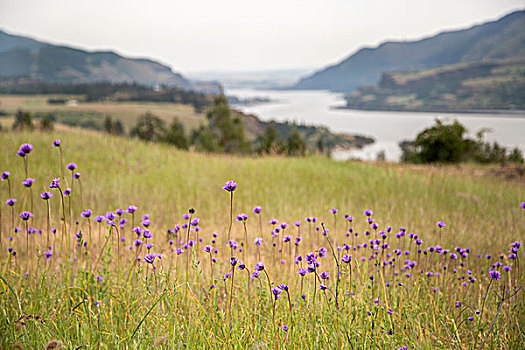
(319, 107)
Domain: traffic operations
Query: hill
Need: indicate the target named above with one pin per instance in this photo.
(464, 87)
(504, 38)
(22, 57)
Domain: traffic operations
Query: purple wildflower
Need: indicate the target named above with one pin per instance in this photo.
(57, 143)
(71, 166)
(242, 217)
(5, 175)
(46, 195)
(257, 210)
(55, 183)
(230, 186)
(28, 182)
(25, 215)
(495, 275)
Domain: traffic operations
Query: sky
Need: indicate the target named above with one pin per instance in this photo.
(241, 35)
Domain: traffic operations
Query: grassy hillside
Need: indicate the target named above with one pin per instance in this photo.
(101, 295)
(504, 38)
(488, 85)
(165, 182)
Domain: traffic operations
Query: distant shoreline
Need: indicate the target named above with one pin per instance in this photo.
(513, 113)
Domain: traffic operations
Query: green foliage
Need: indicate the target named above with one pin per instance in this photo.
(113, 127)
(23, 121)
(46, 124)
(149, 128)
(295, 145)
(268, 141)
(204, 140)
(448, 143)
(224, 132)
(175, 135)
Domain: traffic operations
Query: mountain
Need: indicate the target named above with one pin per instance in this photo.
(504, 38)
(464, 87)
(22, 57)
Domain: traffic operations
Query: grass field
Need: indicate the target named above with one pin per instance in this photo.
(127, 112)
(172, 306)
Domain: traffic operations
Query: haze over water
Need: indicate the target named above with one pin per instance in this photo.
(387, 128)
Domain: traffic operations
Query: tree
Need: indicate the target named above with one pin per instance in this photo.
(118, 128)
(447, 143)
(228, 131)
(23, 121)
(204, 139)
(46, 124)
(295, 145)
(149, 128)
(176, 136)
(267, 143)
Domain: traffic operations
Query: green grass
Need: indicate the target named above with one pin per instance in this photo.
(481, 212)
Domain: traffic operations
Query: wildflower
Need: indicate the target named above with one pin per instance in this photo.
(258, 241)
(150, 258)
(241, 266)
(282, 286)
(441, 224)
(76, 175)
(259, 266)
(99, 278)
(25, 149)
(276, 293)
(48, 254)
(55, 183)
(324, 275)
(86, 213)
(257, 210)
(71, 166)
(28, 182)
(5, 175)
(323, 287)
(495, 275)
(242, 217)
(273, 221)
(67, 192)
(346, 258)
(368, 212)
(284, 327)
(10, 202)
(146, 223)
(56, 143)
(334, 211)
(25, 215)
(230, 186)
(132, 209)
(193, 222)
(255, 274)
(302, 271)
(46, 195)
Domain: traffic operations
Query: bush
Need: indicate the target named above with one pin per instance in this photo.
(23, 121)
(176, 136)
(149, 128)
(447, 143)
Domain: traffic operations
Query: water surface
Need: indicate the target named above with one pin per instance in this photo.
(319, 107)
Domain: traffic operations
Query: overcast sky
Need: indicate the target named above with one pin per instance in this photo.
(194, 35)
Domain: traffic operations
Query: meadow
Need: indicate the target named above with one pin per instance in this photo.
(127, 112)
(340, 254)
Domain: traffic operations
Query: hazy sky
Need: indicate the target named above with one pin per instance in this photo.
(193, 35)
